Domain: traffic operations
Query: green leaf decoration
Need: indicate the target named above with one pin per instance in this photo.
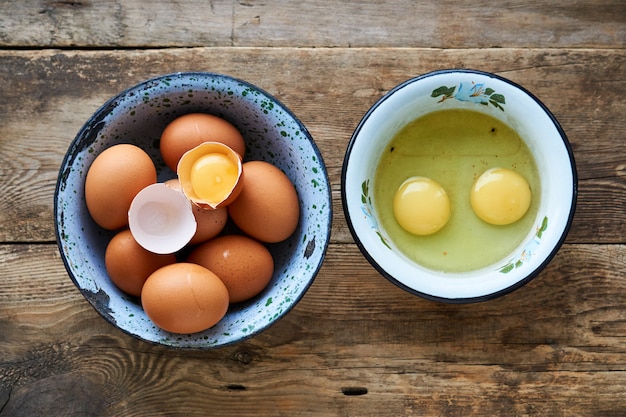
(364, 190)
(489, 91)
(443, 91)
(367, 202)
(544, 226)
(496, 105)
(525, 253)
(498, 98)
(382, 239)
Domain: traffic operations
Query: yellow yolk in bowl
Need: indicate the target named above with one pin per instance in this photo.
(421, 206)
(500, 196)
(213, 176)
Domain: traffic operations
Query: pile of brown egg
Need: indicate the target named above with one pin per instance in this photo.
(170, 248)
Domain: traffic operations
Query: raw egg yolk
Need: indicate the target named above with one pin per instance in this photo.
(213, 177)
(421, 206)
(500, 196)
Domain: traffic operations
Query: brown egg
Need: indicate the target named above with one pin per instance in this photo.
(243, 264)
(209, 222)
(186, 132)
(113, 180)
(184, 298)
(129, 265)
(267, 207)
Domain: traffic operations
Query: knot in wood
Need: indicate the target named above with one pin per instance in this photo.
(243, 357)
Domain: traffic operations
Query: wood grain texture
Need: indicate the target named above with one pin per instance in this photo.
(355, 345)
(404, 23)
(328, 89)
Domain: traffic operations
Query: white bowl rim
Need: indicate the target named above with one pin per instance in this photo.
(483, 297)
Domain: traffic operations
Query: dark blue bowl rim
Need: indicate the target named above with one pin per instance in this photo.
(485, 297)
(101, 112)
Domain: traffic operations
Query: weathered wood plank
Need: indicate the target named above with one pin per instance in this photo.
(52, 93)
(533, 352)
(405, 23)
(355, 344)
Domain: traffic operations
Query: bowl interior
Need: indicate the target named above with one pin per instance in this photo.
(139, 115)
(499, 98)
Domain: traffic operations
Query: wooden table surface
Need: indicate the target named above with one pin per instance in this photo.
(355, 345)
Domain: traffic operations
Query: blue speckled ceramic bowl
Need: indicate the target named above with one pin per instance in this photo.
(139, 115)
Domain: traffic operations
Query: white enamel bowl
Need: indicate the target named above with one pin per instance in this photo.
(497, 97)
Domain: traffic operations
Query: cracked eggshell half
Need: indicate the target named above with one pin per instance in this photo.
(161, 219)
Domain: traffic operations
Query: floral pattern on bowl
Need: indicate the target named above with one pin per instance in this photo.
(472, 92)
(367, 207)
(528, 251)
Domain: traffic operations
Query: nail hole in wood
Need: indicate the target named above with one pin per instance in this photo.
(352, 391)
